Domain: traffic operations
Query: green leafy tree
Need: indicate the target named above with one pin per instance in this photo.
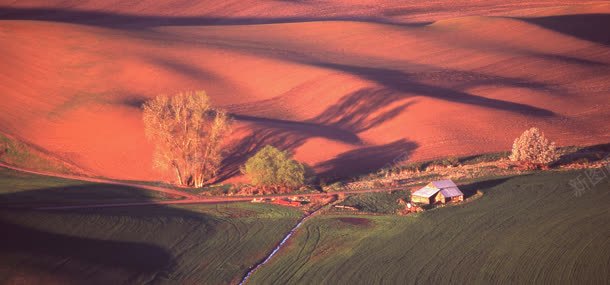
(271, 167)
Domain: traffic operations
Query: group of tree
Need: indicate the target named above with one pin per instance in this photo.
(188, 134)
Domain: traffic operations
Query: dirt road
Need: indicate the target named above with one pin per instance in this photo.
(209, 200)
(189, 198)
(172, 192)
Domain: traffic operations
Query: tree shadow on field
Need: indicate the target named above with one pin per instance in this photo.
(589, 27)
(438, 83)
(355, 112)
(341, 122)
(306, 129)
(185, 69)
(403, 82)
(242, 149)
(361, 111)
(133, 102)
(365, 160)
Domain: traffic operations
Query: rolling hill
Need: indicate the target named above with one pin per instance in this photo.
(348, 87)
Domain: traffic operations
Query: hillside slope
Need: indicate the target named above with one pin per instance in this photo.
(345, 90)
(524, 229)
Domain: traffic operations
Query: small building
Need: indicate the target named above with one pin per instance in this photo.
(441, 191)
(286, 203)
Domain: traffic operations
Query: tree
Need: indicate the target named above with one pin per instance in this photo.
(533, 148)
(275, 168)
(187, 133)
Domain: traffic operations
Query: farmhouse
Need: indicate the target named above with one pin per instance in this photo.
(441, 191)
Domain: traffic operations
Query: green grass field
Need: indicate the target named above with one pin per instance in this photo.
(379, 203)
(196, 244)
(525, 229)
(530, 229)
(212, 244)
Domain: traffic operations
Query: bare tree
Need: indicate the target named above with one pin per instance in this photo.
(187, 132)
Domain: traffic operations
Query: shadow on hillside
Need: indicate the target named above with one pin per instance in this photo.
(358, 112)
(239, 151)
(363, 110)
(77, 250)
(471, 189)
(341, 122)
(589, 27)
(133, 102)
(403, 82)
(568, 59)
(365, 160)
(131, 21)
(589, 154)
(447, 85)
(92, 193)
(392, 79)
(305, 129)
(348, 164)
(66, 255)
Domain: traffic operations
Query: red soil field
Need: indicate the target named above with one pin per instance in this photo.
(347, 86)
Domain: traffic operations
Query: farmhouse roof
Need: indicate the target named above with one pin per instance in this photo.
(451, 192)
(440, 184)
(447, 188)
(426, 191)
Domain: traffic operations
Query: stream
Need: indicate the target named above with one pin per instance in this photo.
(277, 248)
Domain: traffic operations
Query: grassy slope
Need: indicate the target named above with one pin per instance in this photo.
(205, 244)
(383, 203)
(528, 229)
(18, 187)
(20, 154)
(212, 244)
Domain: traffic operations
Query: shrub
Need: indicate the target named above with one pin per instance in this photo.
(413, 167)
(275, 168)
(337, 186)
(534, 149)
(450, 161)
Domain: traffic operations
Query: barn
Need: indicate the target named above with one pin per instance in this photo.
(441, 191)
